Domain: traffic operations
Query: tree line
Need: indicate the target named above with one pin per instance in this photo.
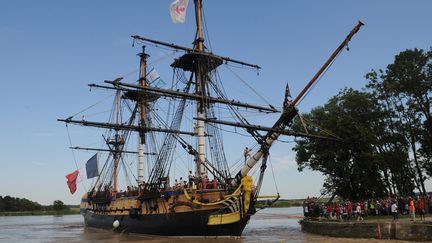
(386, 130)
(14, 204)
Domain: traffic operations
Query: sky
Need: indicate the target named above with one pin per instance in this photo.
(50, 50)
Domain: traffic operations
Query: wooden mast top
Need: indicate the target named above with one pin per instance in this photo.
(200, 39)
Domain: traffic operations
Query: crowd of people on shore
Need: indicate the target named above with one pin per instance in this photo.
(347, 210)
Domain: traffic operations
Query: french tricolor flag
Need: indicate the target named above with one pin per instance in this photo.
(88, 171)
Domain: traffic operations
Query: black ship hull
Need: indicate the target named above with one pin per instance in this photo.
(171, 224)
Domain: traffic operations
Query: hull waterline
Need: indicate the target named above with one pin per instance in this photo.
(172, 224)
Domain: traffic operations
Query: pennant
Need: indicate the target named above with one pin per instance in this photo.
(178, 11)
(288, 98)
(71, 181)
(153, 77)
(160, 83)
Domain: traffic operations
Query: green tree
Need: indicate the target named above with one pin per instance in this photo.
(352, 168)
(2, 206)
(387, 131)
(404, 88)
(59, 206)
(393, 145)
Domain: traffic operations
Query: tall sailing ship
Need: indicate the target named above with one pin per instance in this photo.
(215, 198)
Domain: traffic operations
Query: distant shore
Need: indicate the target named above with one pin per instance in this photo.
(281, 203)
(42, 212)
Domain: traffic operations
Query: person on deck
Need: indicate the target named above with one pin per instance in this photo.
(204, 182)
(214, 183)
(246, 154)
(191, 179)
(176, 184)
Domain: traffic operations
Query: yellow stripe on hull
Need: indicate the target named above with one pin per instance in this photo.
(227, 218)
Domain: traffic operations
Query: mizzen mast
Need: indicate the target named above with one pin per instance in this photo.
(117, 142)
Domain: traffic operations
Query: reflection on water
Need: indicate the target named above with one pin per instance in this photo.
(268, 225)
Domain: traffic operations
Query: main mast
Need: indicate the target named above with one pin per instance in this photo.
(200, 90)
(142, 112)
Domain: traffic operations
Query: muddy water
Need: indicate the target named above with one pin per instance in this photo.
(269, 225)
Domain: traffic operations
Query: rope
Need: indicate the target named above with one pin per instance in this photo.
(274, 179)
(70, 144)
(92, 105)
(73, 154)
(206, 30)
(166, 54)
(247, 85)
(319, 79)
(322, 129)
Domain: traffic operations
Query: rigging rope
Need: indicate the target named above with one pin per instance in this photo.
(235, 113)
(206, 30)
(328, 132)
(166, 54)
(274, 178)
(319, 79)
(73, 154)
(91, 106)
(247, 85)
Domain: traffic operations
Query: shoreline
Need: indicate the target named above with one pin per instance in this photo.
(39, 213)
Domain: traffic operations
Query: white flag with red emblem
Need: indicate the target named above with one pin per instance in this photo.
(178, 11)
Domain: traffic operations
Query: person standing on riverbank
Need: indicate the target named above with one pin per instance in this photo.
(411, 208)
(359, 212)
(421, 208)
(394, 210)
(338, 212)
(349, 210)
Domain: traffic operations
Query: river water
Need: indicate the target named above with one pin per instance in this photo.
(268, 225)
